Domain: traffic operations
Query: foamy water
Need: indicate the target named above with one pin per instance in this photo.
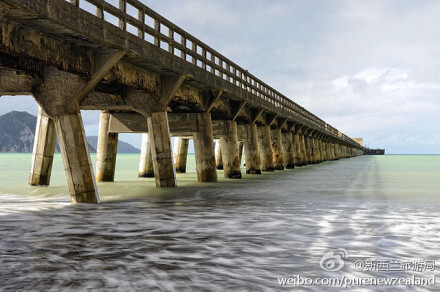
(235, 235)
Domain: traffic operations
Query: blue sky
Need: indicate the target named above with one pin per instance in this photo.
(369, 68)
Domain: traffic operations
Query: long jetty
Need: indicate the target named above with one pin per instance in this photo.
(147, 76)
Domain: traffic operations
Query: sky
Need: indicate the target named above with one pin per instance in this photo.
(369, 68)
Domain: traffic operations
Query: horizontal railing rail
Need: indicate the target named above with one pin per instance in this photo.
(136, 18)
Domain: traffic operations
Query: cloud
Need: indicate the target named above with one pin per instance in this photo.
(369, 68)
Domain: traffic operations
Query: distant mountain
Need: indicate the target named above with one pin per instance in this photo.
(123, 147)
(17, 132)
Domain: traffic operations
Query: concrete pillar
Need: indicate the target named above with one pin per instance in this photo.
(106, 150)
(161, 150)
(309, 150)
(265, 148)
(322, 148)
(76, 158)
(44, 148)
(229, 145)
(277, 154)
(218, 155)
(317, 150)
(146, 161)
(180, 154)
(251, 154)
(288, 150)
(204, 149)
(240, 151)
(298, 157)
(304, 155)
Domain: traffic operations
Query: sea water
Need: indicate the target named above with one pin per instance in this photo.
(370, 217)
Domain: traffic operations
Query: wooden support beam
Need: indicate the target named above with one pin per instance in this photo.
(240, 108)
(255, 118)
(270, 118)
(103, 63)
(282, 122)
(167, 90)
(217, 94)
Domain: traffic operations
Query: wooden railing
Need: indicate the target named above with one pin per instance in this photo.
(136, 18)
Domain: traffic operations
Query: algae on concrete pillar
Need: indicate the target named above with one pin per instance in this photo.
(304, 155)
(180, 154)
(277, 154)
(251, 153)
(309, 150)
(299, 156)
(106, 150)
(229, 145)
(76, 158)
(159, 132)
(204, 149)
(288, 150)
(265, 148)
(44, 148)
(146, 160)
(218, 155)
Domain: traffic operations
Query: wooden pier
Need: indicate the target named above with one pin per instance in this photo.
(147, 76)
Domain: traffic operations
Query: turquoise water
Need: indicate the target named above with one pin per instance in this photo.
(235, 235)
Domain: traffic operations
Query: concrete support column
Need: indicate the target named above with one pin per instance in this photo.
(146, 161)
(277, 154)
(304, 155)
(218, 155)
(106, 150)
(265, 148)
(180, 154)
(44, 148)
(240, 151)
(251, 153)
(76, 158)
(288, 150)
(323, 153)
(309, 150)
(318, 150)
(298, 157)
(204, 149)
(229, 145)
(161, 150)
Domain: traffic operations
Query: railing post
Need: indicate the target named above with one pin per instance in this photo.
(123, 8)
(170, 44)
(194, 50)
(141, 18)
(213, 61)
(75, 2)
(183, 43)
(157, 29)
(204, 59)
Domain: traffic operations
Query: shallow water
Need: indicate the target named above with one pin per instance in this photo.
(235, 235)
